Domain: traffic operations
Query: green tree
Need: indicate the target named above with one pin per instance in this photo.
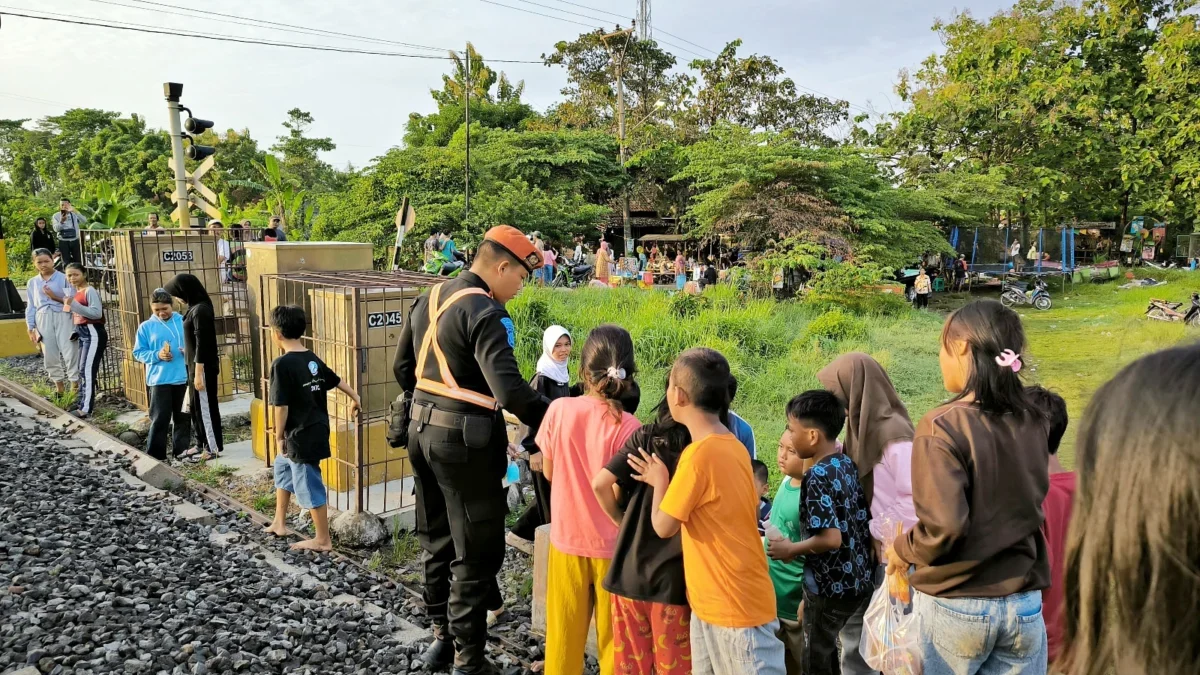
(808, 205)
(500, 110)
(591, 92)
(301, 153)
(755, 92)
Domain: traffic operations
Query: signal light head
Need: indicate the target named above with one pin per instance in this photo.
(198, 152)
(195, 125)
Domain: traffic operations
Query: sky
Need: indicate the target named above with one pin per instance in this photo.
(848, 49)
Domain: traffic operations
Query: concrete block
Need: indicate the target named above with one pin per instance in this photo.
(154, 472)
(191, 512)
(19, 408)
(406, 633)
(226, 539)
(541, 564)
(135, 482)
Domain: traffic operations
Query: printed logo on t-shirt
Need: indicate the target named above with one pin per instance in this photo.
(315, 384)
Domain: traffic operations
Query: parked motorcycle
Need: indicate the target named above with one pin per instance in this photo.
(570, 274)
(1161, 310)
(1016, 293)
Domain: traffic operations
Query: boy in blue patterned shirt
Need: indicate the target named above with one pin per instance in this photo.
(833, 512)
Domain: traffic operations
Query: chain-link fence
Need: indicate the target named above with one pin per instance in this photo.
(354, 324)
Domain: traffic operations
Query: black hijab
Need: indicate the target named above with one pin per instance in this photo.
(189, 289)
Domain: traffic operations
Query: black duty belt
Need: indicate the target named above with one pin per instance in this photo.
(427, 415)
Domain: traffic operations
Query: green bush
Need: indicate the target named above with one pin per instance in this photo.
(862, 302)
(687, 306)
(837, 326)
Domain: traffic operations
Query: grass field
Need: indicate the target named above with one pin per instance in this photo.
(776, 348)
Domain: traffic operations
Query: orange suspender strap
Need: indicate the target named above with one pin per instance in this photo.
(448, 387)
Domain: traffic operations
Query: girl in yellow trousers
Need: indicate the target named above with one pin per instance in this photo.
(578, 437)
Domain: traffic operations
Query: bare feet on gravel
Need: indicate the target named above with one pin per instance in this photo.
(276, 529)
(313, 545)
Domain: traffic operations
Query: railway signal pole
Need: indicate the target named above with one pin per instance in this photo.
(185, 182)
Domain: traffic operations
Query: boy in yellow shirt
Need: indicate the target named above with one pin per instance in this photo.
(713, 500)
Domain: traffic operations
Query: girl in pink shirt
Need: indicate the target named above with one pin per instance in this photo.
(578, 437)
(879, 438)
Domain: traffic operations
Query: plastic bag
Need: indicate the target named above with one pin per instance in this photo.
(891, 640)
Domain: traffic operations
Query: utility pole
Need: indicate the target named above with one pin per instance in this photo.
(620, 72)
(643, 21)
(173, 91)
(467, 184)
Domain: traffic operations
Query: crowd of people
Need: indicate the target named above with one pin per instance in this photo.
(661, 538)
(664, 536)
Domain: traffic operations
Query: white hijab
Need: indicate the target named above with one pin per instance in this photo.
(546, 365)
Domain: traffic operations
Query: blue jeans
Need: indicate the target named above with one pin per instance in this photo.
(988, 636)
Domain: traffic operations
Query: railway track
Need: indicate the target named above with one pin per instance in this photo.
(516, 652)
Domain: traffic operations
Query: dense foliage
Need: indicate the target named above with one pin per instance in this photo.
(1045, 113)
(1080, 110)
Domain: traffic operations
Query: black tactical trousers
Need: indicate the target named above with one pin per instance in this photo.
(460, 524)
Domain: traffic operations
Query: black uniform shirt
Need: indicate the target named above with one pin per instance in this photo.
(477, 337)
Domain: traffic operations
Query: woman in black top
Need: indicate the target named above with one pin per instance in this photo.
(200, 343)
(646, 575)
(552, 380)
(42, 237)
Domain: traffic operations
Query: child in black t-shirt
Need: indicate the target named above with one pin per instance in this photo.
(299, 382)
(834, 515)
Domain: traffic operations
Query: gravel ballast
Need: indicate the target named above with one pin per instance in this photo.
(101, 576)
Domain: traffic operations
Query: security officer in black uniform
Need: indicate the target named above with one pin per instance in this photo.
(455, 359)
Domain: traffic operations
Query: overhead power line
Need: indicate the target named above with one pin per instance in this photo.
(548, 16)
(160, 8)
(682, 49)
(565, 11)
(657, 29)
(594, 9)
(158, 30)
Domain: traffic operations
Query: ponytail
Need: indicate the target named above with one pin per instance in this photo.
(606, 366)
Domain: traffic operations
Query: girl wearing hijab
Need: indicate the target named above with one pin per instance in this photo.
(879, 438)
(552, 380)
(200, 342)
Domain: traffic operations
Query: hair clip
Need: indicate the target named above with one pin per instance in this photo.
(1009, 359)
(615, 372)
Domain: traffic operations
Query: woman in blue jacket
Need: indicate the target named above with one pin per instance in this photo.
(160, 345)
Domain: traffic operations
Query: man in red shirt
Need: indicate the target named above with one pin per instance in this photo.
(1057, 510)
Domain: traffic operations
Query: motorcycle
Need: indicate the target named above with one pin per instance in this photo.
(1016, 293)
(571, 274)
(439, 265)
(1161, 310)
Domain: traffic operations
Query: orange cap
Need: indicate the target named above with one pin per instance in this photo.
(516, 243)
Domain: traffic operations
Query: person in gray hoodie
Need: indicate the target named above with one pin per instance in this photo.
(160, 345)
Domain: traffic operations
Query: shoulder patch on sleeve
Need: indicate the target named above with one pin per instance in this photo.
(512, 331)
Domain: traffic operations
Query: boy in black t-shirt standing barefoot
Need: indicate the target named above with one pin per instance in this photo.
(299, 382)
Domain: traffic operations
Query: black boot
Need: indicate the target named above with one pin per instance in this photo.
(439, 655)
(472, 660)
(486, 668)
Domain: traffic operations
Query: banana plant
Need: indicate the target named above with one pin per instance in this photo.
(105, 208)
(283, 197)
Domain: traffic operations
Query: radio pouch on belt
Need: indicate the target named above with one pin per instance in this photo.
(401, 414)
